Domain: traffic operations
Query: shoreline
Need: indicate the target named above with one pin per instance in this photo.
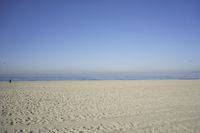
(101, 80)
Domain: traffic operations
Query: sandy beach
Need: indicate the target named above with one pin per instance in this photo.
(110, 106)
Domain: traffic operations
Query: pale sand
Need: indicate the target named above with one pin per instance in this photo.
(162, 106)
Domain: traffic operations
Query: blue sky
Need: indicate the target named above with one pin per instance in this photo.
(105, 36)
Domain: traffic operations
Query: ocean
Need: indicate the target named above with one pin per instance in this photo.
(136, 76)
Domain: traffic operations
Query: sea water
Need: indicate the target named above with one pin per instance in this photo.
(133, 76)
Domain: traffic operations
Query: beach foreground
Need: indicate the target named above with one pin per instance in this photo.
(130, 106)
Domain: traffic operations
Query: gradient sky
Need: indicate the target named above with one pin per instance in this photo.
(104, 36)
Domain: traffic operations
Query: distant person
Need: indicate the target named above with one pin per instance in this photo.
(10, 81)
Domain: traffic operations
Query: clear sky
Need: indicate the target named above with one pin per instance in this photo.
(104, 36)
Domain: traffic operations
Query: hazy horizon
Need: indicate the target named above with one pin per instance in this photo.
(106, 37)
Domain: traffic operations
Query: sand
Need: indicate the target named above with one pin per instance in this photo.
(112, 106)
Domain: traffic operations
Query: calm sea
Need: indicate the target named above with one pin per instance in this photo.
(138, 76)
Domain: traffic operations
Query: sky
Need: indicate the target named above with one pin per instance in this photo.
(99, 36)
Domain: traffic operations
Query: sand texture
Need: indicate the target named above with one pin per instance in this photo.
(112, 106)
